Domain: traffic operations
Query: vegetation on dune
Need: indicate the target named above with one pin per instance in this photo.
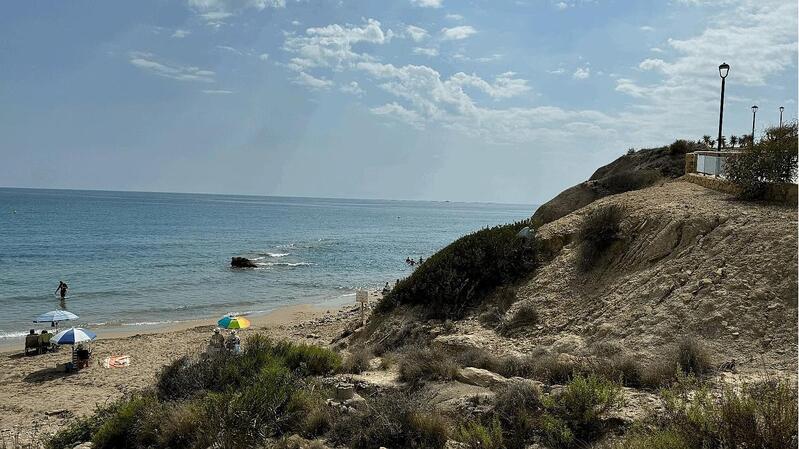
(462, 274)
(600, 229)
(756, 415)
(222, 401)
(771, 160)
(419, 363)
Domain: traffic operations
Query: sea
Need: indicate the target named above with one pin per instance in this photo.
(138, 259)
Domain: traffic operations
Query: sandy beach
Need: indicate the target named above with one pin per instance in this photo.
(36, 399)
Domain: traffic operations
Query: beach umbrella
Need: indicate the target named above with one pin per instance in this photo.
(55, 316)
(72, 336)
(233, 322)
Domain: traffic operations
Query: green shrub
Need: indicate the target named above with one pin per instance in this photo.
(524, 316)
(772, 160)
(582, 403)
(80, 430)
(600, 229)
(654, 439)
(518, 406)
(761, 415)
(119, 429)
(308, 359)
(357, 361)
(630, 180)
(681, 146)
(394, 420)
(556, 433)
(463, 273)
(692, 357)
(476, 435)
(420, 363)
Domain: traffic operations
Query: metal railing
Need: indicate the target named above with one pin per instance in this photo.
(713, 163)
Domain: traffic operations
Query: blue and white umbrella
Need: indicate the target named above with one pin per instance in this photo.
(72, 336)
(55, 316)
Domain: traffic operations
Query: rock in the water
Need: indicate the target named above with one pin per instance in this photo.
(242, 262)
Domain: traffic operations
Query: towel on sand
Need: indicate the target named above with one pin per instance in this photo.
(116, 361)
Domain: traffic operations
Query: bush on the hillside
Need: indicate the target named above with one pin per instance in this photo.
(518, 406)
(600, 229)
(394, 419)
(524, 316)
(459, 276)
(583, 403)
(681, 146)
(495, 309)
(476, 435)
(186, 377)
(689, 356)
(772, 160)
(357, 361)
(221, 401)
(423, 363)
(630, 180)
(761, 415)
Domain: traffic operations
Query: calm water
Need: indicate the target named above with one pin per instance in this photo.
(134, 258)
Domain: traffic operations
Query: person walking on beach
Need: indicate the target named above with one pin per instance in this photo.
(62, 289)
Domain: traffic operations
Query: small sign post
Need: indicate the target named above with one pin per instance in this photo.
(362, 297)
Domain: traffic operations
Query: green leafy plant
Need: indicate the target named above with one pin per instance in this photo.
(462, 274)
(771, 160)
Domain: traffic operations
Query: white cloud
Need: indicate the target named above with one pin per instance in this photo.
(581, 73)
(558, 71)
(263, 56)
(457, 33)
(230, 49)
(398, 112)
(652, 64)
(311, 81)
(433, 100)
(217, 91)
(416, 34)
(180, 34)
(431, 52)
(331, 46)
(656, 50)
(295, 22)
(215, 11)
(352, 88)
(457, 17)
(646, 28)
(427, 3)
(147, 62)
(561, 5)
(505, 85)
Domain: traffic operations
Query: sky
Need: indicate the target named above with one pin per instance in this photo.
(498, 101)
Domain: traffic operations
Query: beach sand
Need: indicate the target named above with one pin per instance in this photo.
(36, 399)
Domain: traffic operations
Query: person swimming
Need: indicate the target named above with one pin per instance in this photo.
(62, 289)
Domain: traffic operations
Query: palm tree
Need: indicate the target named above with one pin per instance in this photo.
(723, 142)
(733, 141)
(706, 140)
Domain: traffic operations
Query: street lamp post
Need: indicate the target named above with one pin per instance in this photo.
(754, 113)
(782, 108)
(724, 69)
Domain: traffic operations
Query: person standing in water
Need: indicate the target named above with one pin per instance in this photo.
(62, 289)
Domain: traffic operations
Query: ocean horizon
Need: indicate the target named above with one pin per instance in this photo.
(144, 258)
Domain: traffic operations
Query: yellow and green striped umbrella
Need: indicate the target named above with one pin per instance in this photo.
(233, 322)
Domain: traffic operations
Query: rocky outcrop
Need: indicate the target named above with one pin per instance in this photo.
(242, 262)
(630, 172)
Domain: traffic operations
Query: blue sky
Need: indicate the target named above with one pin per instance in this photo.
(416, 99)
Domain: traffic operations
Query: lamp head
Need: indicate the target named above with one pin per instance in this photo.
(782, 108)
(754, 108)
(724, 69)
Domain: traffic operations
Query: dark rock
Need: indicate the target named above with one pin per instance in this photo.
(242, 262)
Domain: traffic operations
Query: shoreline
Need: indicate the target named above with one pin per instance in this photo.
(11, 345)
(39, 399)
